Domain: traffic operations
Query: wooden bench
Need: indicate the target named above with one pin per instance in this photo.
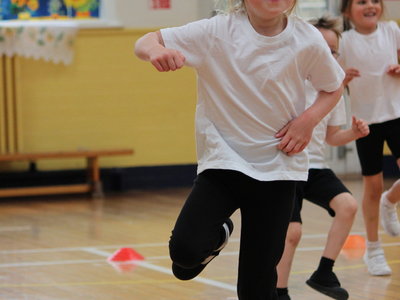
(92, 185)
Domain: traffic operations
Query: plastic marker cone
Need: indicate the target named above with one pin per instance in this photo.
(354, 242)
(354, 247)
(125, 254)
(125, 260)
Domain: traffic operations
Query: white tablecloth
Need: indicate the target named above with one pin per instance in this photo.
(49, 40)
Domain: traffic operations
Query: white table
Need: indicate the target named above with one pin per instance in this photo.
(44, 39)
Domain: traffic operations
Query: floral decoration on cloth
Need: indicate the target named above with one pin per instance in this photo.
(48, 40)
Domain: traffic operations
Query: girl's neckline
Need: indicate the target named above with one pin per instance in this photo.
(284, 34)
(367, 34)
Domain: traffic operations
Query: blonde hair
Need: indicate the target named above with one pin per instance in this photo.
(229, 6)
(237, 6)
(329, 23)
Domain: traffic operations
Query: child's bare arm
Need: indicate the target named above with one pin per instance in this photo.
(150, 47)
(335, 136)
(296, 135)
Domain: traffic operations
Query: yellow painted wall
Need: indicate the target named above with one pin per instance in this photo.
(107, 98)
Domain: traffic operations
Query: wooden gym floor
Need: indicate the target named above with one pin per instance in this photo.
(56, 248)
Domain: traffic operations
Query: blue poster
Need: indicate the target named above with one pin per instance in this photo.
(28, 9)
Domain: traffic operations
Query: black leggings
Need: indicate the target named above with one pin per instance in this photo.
(370, 147)
(266, 208)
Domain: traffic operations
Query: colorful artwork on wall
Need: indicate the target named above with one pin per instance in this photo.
(28, 9)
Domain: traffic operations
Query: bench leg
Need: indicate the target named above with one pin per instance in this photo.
(94, 177)
(97, 191)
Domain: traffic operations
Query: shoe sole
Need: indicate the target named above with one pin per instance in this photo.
(382, 274)
(338, 294)
(186, 274)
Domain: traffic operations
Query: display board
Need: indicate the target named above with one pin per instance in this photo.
(32, 9)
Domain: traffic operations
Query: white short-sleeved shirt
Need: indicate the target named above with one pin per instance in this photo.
(375, 96)
(249, 87)
(316, 147)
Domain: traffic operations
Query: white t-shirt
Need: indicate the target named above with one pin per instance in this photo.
(375, 96)
(316, 147)
(249, 87)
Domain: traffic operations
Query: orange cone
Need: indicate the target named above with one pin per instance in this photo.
(354, 242)
(125, 260)
(125, 254)
(354, 247)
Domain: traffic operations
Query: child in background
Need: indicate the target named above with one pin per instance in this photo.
(251, 128)
(323, 188)
(369, 53)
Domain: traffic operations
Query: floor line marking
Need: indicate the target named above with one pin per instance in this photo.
(92, 261)
(71, 249)
(151, 281)
(15, 228)
(82, 283)
(167, 270)
(144, 245)
(93, 250)
(50, 263)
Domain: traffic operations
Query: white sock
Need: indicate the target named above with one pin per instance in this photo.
(373, 245)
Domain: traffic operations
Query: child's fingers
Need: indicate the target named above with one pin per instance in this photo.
(176, 61)
(157, 65)
(171, 64)
(283, 143)
(353, 73)
(282, 132)
(294, 147)
(179, 61)
(161, 64)
(394, 70)
(365, 129)
(297, 149)
(289, 147)
(168, 60)
(166, 65)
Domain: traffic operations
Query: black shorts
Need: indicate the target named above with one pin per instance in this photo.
(320, 188)
(370, 148)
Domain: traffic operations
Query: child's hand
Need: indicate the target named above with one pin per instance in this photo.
(295, 136)
(359, 127)
(164, 59)
(394, 70)
(350, 74)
